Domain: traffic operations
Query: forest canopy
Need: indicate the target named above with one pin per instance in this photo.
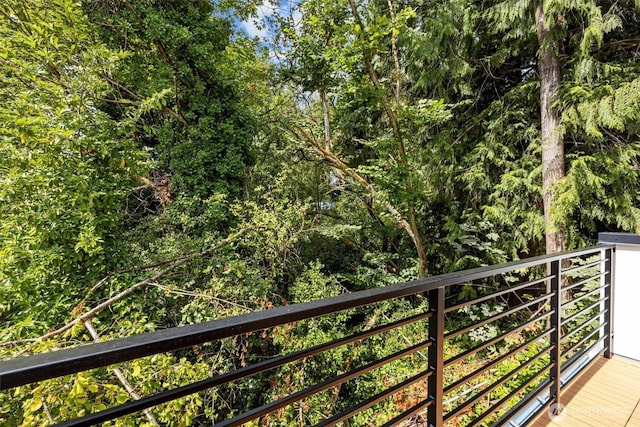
(161, 167)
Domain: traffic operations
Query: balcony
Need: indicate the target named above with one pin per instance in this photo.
(607, 393)
(524, 343)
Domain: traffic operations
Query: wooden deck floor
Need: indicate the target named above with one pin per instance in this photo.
(606, 394)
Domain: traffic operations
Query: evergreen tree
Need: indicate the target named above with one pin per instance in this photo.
(491, 63)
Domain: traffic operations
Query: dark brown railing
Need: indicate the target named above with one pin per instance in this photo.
(550, 315)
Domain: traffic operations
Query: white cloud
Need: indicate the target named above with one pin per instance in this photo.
(256, 27)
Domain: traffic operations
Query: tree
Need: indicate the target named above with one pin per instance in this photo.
(574, 39)
(492, 64)
(72, 139)
(66, 166)
(366, 132)
(203, 134)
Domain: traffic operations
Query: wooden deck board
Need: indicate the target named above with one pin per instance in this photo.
(606, 394)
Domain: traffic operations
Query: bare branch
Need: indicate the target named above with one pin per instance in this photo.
(135, 97)
(328, 143)
(95, 287)
(121, 87)
(47, 411)
(120, 375)
(199, 295)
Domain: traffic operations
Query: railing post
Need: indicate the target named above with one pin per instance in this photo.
(556, 322)
(436, 356)
(609, 281)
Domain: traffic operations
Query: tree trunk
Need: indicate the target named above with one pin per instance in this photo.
(552, 140)
(328, 144)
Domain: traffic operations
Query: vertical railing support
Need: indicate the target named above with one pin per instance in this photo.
(436, 356)
(556, 322)
(608, 303)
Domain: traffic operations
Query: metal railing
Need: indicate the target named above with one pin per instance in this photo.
(492, 336)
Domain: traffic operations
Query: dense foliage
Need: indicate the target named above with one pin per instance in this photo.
(158, 167)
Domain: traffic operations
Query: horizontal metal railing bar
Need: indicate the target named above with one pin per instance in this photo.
(373, 400)
(331, 382)
(585, 281)
(584, 339)
(420, 407)
(584, 266)
(495, 340)
(474, 399)
(523, 403)
(25, 370)
(496, 294)
(579, 355)
(495, 362)
(582, 311)
(583, 325)
(176, 393)
(495, 317)
(580, 298)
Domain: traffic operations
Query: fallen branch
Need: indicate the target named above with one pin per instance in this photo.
(100, 307)
(95, 287)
